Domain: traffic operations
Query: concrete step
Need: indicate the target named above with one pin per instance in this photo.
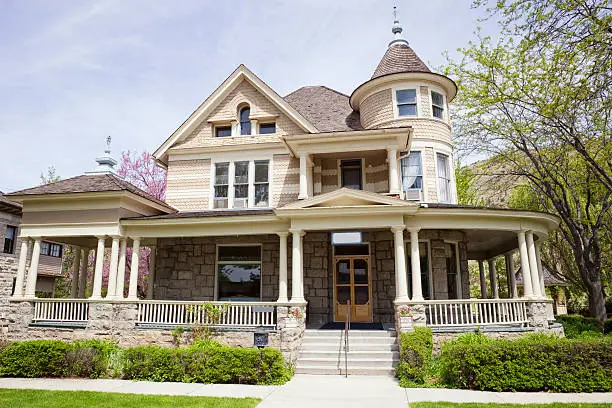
(352, 354)
(352, 370)
(352, 333)
(381, 341)
(353, 346)
(357, 362)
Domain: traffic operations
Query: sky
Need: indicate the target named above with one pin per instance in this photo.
(74, 72)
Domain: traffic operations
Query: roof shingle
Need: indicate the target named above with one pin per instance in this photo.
(399, 58)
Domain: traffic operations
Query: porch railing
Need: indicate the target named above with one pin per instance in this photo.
(65, 311)
(228, 314)
(475, 312)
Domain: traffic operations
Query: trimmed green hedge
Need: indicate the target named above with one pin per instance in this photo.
(38, 358)
(531, 363)
(415, 356)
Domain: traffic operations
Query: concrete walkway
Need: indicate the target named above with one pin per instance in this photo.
(308, 391)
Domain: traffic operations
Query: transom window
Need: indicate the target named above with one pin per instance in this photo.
(267, 128)
(412, 172)
(444, 178)
(245, 121)
(223, 131)
(241, 184)
(350, 174)
(239, 272)
(424, 256)
(437, 105)
(9, 239)
(51, 249)
(406, 102)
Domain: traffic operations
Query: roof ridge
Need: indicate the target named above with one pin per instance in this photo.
(335, 91)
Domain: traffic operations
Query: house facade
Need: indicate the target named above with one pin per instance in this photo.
(289, 212)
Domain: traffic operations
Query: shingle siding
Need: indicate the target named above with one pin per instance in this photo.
(188, 184)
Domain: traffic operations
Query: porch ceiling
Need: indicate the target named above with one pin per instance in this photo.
(485, 244)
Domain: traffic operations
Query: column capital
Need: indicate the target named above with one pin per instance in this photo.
(283, 233)
(134, 238)
(99, 237)
(398, 228)
(413, 229)
(297, 231)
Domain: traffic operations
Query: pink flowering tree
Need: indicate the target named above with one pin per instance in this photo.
(141, 171)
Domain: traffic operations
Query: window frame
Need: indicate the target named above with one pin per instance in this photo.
(266, 124)
(49, 249)
(260, 183)
(448, 179)
(246, 199)
(217, 263)
(361, 172)
(406, 155)
(250, 202)
(13, 240)
(458, 266)
(429, 267)
(241, 122)
(215, 185)
(219, 127)
(396, 103)
(434, 105)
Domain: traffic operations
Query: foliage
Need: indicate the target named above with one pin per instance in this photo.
(141, 171)
(93, 358)
(576, 325)
(36, 358)
(466, 191)
(64, 399)
(50, 177)
(177, 335)
(405, 311)
(531, 363)
(415, 356)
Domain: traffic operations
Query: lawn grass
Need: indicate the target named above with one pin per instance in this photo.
(10, 398)
(476, 405)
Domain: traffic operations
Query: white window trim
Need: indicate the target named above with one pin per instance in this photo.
(260, 245)
(430, 266)
(394, 90)
(231, 177)
(363, 171)
(423, 183)
(444, 105)
(457, 260)
(214, 130)
(452, 198)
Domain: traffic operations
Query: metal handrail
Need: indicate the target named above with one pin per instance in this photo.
(347, 327)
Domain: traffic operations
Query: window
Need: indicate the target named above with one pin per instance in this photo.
(241, 184)
(51, 249)
(221, 185)
(239, 272)
(262, 186)
(444, 178)
(452, 276)
(406, 102)
(437, 105)
(223, 131)
(9, 239)
(424, 255)
(412, 172)
(267, 128)
(350, 173)
(245, 121)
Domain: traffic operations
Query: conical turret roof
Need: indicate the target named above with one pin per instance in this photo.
(399, 58)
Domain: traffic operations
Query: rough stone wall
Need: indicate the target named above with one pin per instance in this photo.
(383, 275)
(8, 262)
(318, 277)
(285, 180)
(188, 184)
(376, 109)
(186, 267)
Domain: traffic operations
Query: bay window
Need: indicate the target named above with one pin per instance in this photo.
(444, 178)
(262, 185)
(241, 184)
(437, 105)
(239, 272)
(412, 172)
(221, 185)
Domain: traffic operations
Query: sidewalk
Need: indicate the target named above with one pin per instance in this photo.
(308, 391)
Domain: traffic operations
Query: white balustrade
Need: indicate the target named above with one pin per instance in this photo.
(229, 314)
(475, 312)
(69, 311)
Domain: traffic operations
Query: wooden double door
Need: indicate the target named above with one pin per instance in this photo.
(352, 282)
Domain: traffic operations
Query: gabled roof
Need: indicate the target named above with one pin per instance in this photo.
(89, 183)
(241, 73)
(9, 206)
(398, 58)
(347, 197)
(326, 108)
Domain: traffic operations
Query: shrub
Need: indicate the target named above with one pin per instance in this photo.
(531, 363)
(608, 326)
(36, 358)
(91, 358)
(415, 356)
(574, 325)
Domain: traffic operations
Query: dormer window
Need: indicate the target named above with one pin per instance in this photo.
(406, 102)
(437, 105)
(223, 131)
(245, 121)
(267, 128)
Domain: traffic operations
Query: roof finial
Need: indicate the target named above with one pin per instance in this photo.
(397, 30)
(106, 164)
(108, 143)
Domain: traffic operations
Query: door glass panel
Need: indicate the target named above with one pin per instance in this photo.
(343, 294)
(343, 272)
(361, 295)
(360, 270)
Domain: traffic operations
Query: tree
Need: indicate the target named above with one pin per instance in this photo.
(538, 101)
(466, 191)
(142, 171)
(50, 177)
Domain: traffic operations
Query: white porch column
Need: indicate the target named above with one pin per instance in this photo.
(76, 267)
(303, 177)
(401, 279)
(394, 187)
(83, 273)
(538, 247)
(121, 269)
(282, 267)
(483, 280)
(297, 265)
(30, 291)
(96, 292)
(415, 264)
(112, 272)
(151, 282)
(133, 290)
(527, 287)
(493, 279)
(533, 265)
(512, 291)
(21, 268)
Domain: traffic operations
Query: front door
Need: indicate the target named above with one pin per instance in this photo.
(352, 283)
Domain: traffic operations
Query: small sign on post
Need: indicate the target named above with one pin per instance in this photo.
(260, 338)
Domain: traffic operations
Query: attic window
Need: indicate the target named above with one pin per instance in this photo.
(437, 105)
(245, 121)
(267, 128)
(406, 102)
(223, 131)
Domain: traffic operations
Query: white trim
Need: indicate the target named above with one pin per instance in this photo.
(260, 245)
(231, 180)
(363, 171)
(429, 265)
(401, 87)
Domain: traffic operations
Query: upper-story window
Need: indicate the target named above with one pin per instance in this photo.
(444, 178)
(241, 184)
(437, 105)
(267, 128)
(223, 131)
(245, 121)
(350, 174)
(51, 249)
(406, 102)
(9, 239)
(412, 172)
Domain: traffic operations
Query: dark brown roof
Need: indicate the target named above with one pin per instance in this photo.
(399, 58)
(203, 214)
(328, 110)
(9, 206)
(549, 278)
(89, 183)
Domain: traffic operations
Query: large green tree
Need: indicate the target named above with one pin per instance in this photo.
(537, 100)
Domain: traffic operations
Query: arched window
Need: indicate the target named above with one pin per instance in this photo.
(245, 122)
